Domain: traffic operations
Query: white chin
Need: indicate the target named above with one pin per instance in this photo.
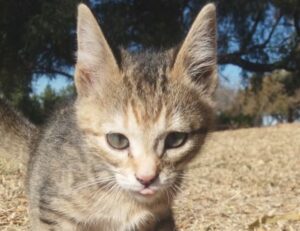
(147, 192)
(146, 195)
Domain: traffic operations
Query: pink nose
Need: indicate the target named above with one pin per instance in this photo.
(146, 180)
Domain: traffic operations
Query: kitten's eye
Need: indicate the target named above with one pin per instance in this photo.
(117, 141)
(175, 139)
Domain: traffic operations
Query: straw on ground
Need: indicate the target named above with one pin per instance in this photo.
(247, 179)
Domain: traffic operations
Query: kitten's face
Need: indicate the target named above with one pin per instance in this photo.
(146, 131)
(147, 117)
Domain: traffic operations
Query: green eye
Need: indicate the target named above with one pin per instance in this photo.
(175, 139)
(117, 141)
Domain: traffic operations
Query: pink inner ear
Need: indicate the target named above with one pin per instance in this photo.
(197, 57)
(95, 61)
(83, 81)
(84, 75)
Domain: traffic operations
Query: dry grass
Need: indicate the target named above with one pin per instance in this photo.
(246, 179)
(13, 204)
(241, 177)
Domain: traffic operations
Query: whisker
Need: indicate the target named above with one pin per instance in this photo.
(167, 192)
(110, 191)
(93, 182)
(177, 188)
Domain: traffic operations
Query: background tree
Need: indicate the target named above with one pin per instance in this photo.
(37, 38)
(267, 99)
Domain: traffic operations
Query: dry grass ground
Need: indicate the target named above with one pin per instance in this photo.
(247, 179)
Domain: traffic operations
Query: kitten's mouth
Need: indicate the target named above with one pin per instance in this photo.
(147, 191)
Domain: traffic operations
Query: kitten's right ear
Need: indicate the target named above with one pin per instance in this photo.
(96, 64)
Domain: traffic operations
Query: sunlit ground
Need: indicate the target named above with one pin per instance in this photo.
(246, 179)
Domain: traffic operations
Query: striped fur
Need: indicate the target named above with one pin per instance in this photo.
(76, 181)
(15, 128)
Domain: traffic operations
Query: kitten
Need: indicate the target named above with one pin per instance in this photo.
(14, 127)
(114, 159)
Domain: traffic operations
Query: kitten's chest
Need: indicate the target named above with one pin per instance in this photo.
(120, 214)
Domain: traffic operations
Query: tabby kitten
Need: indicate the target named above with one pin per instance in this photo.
(114, 159)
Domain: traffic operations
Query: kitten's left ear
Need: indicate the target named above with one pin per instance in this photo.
(196, 60)
(96, 65)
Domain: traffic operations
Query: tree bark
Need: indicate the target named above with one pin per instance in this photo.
(290, 116)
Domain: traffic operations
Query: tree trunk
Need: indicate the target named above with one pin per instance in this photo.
(290, 116)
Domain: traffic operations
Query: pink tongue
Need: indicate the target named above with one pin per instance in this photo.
(147, 191)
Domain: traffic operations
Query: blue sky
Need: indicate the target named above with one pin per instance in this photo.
(56, 83)
(230, 76)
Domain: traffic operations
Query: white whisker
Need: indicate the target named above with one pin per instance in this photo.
(93, 182)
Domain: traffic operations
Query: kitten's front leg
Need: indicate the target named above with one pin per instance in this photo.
(166, 224)
(52, 223)
(45, 226)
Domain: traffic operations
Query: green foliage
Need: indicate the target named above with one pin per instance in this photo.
(38, 38)
(42, 106)
(230, 120)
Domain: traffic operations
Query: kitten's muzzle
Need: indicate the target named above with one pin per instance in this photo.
(146, 180)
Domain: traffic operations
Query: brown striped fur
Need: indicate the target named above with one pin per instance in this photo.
(15, 128)
(76, 181)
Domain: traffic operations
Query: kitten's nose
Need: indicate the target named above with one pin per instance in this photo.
(146, 180)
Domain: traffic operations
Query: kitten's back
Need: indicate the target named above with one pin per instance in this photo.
(16, 134)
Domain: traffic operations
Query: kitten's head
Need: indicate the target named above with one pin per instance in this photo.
(147, 115)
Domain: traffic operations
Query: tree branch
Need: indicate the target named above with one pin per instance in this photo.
(249, 37)
(236, 59)
(53, 72)
(265, 43)
(296, 23)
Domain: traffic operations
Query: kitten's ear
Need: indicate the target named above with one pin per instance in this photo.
(95, 61)
(196, 60)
